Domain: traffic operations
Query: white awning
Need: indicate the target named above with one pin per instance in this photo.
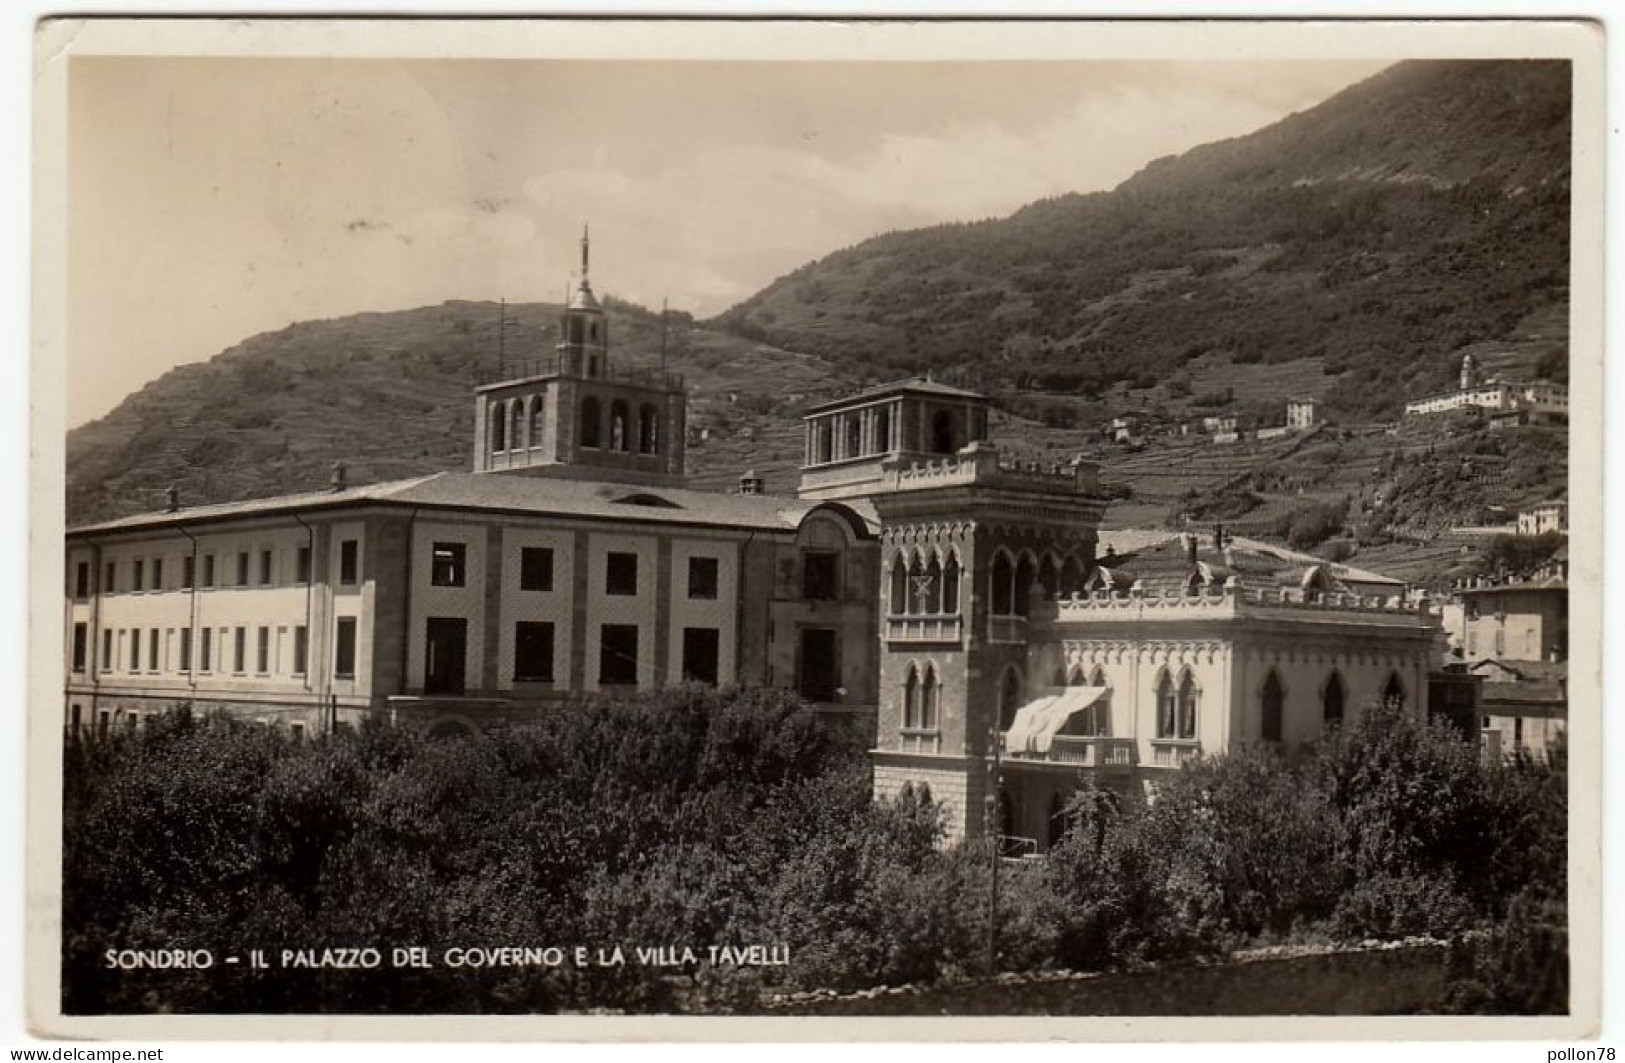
(1037, 722)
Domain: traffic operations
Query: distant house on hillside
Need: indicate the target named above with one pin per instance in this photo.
(1507, 402)
(1545, 517)
(1300, 413)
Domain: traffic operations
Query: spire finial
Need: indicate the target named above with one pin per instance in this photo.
(584, 244)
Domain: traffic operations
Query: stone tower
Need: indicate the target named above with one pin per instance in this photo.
(577, 415)
(1469, 373)
(971, 545)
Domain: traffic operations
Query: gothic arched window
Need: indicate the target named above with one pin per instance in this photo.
(931, 700)
(899, 586)
(1393, 694)
(592, 428)
(1188, 695)
(1003, 586)
(950, 586)
(1273, 698)
(1024, 586)
(1331, 701)
(535, 420)
(911, 699)
(1167, 706)
(933, 590)
(516, 424)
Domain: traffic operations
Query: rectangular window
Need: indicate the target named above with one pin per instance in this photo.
(344, 649)
(242, 568)
(239, 648)
(205, 649)
(618, 654)
(349, 549)
(81, 580)
(81, 643)
(621, 573)
(208, 570)
(700, 654)
(135, 649)
(153, 648)
(186, 649)
(188, 571)
(267, 565)
(532, 652)
(298, 731)
(301, 647)
(110, 577)
(303, 565)
(262, 651)
(76, 717)
(448, 564)
(138, 574)
(107, 650)
(702, 577)
(820, 575)
(536, 568)
(157, 573)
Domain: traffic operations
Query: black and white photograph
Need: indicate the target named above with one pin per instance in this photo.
(826, 521)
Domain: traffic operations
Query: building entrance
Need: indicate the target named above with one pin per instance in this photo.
(820, 668)
(446, 651)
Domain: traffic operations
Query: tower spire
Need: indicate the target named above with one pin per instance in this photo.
(584, 248)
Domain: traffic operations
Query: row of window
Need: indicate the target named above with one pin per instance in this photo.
(618, 653)
(132, 719)
(243, 569)
(150, 650)
(449, 568)
(518, 425)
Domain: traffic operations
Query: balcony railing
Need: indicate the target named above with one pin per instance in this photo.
(1172, 752)
(1093, 751)
(1007, 629)
(943, 628)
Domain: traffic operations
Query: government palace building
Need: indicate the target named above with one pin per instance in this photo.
(952, 602)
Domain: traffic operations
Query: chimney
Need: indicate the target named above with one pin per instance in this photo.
(750, 483)
(172, 499)
(338, 483)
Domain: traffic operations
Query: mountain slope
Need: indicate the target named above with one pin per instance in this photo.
(390, 394)
(1412, 215)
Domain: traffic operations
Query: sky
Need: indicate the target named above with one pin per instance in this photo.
(211, 199)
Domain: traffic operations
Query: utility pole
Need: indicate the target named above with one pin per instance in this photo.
(995, 742)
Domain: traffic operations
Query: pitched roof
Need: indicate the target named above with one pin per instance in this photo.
(521, 495)
(916, 385)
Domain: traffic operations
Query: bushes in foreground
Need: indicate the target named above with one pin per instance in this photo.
(693, 818)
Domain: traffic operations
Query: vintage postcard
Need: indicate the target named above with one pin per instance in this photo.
(816, 530)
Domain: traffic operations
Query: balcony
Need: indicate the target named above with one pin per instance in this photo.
(937, 628)
(1173, 752)
(1007, 629)
(1093, 752)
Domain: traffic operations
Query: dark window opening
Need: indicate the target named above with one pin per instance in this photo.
(111, 577)
(186, 649)
(157, 573)
(448, 565)
(262, 651)
(81, 580)
(618, 655)
(592, 430)
(239, 648)
(267, 565)
(700, 654)
(942, 432)
(81, 640)
(242, 569)
(188, 571)
(1331, 701)
(208, 570)
(135, 649)
(349, 552)
(820, 575)
(138, 578)
(702, 577)
(533, 652)
(820, 673)
(301, 649)
(621, 573)
(154, 649)
(205, 649)
(1270, 722)
(344, 648)
(536, 568)
(302, 565)
(445, 655)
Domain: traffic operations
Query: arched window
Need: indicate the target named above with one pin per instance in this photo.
(1331, 701)
(883, 431)
(516, 428)
(1188, 695)
(535, 420)
(933, 593)
(899, 586)
(911, 699)
(931, 700)
(499, 427)
(854, 436)
(1049, 577)
(942, 432)
(1098, 719)
(1393, 694)
(1009, 697)
(950, 586)
(648, 430)
(1004, 583)
(1167, 706)
(592, 426)
(617, 426)
(1273, 697)
(1024, 586)
(919, 595)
